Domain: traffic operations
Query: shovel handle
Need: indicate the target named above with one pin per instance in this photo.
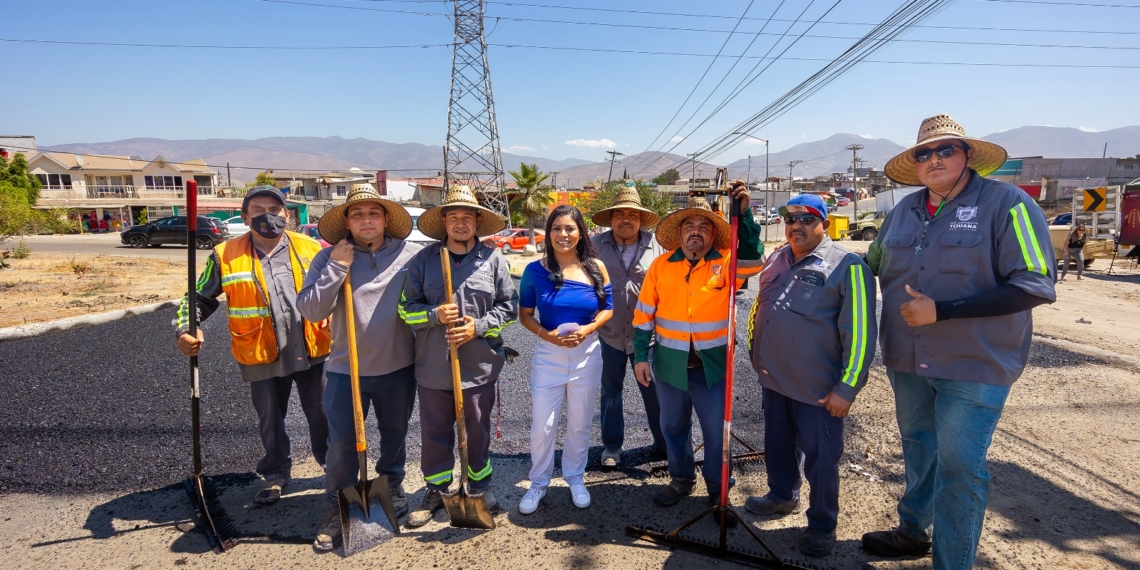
(354, 366)
(456, 379)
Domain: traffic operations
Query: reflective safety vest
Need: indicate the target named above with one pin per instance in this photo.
(686, 306)
(254, 339)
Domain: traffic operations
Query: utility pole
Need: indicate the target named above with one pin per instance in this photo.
(613, 158)
(748, 176)
(855, 148)
(693, 175)
(554, 180)
(229, 179)
(791, 168)
(471, 154)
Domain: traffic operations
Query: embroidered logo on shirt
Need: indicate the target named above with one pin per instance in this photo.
(716, 270)
(967, 213)
(823, 265)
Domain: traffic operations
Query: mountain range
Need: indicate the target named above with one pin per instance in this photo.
(247, 157)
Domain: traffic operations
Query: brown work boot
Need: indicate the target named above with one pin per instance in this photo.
(672, 493)
(271, 492)
(329, 533)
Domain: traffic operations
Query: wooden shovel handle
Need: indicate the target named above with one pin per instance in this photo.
(354, 366)
(456, 379)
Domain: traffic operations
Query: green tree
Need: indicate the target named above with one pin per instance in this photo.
(263, 179)
(651, 199)
(15, 213)
(670, 176)
(15, 173)
(533, 196)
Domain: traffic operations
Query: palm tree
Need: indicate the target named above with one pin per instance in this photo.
(533, 196)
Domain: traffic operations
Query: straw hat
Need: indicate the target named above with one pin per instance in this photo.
(988, 157)
(431, 221)
(333, 226)
(669, 230)
(627, 198)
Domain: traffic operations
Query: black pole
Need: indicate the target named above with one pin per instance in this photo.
(192, 314)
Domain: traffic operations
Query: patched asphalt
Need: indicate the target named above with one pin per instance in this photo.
(106, 409)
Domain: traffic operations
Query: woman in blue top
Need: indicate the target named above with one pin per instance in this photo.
(571, 291)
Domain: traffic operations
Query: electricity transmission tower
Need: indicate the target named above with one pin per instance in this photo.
(471, 155)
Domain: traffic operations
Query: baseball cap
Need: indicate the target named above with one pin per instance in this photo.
(805, 204)
(267, 191)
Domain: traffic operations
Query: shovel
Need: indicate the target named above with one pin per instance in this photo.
(464, 510)
(367, 517)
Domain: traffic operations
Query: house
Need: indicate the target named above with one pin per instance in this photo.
(125, 185)
(12, 144)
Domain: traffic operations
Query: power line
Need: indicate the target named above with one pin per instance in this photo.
(218, 46)
(1080, 4)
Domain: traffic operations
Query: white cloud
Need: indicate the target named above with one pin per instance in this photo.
(677, 139)
(867, 136)
(517, 149)
(592, 143)
(1089, 129)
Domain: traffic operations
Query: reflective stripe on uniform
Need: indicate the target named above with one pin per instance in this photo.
(479, 475)
(858, 294)
(1031, 251)
(673, 343)
(236, 277)
(248, 312)
(647, 309)
(410, 318)
(710, 344)
(696, 327)
(439, 478)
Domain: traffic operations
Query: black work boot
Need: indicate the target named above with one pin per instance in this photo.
(432, 503)
(672, 493)
(767, 506)
(399, 500)
(892, 543)
(816, 543)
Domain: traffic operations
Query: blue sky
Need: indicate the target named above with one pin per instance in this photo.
(555, 103)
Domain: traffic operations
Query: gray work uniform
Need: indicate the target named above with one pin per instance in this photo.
(813, 328)
(482, 289)
(272, 382)
(626, 279)
(384, 357)
(384, 342)
(991, 234)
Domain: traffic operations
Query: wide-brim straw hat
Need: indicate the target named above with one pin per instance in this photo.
(669, 230)
(333, 226)
(988, 157)
(431, 221)
(627, 198)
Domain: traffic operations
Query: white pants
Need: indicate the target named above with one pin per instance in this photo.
(557, 374)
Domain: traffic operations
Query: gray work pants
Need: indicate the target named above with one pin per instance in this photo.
(271, 401)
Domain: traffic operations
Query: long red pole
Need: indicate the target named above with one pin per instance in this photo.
(726, 453)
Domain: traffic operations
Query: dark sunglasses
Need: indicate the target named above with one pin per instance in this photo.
(943, 152)
(802, 219)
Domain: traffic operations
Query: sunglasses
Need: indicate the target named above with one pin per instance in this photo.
(943, 152)
(802, 219)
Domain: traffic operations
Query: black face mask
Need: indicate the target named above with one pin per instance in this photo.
(268, 226)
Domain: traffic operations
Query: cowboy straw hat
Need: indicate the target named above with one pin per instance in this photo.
(333, 226)
(669, 230)
(988, 157)
(431, 221)
(629, 199)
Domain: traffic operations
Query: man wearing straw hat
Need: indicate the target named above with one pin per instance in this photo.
(260, 274)
(485, 303)
(684, 304)
(960, 265)
(627, 250)
(368, 232)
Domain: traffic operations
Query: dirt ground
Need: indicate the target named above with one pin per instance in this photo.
(50, 286)
(1065, 491)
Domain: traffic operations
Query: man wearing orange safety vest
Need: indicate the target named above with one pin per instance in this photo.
(684, 303)
(261, 273)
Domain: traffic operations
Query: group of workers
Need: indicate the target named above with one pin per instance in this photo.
(959, 265)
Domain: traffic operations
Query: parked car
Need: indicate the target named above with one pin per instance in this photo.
(515, 239)
(867, 226)
(842, 201)
(417, 236)
(764, 219)
(172, 230)
(311, 231)
(1065, 219)
(236, 226)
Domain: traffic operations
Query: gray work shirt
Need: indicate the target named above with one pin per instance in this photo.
(277, 266)
(812, 329)
(626, 278)
(989, 235)
(384, 343)
(482, 289)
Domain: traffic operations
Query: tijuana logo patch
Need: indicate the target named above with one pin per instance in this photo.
(967, 213)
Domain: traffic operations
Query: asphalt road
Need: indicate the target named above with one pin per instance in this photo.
(106, 244)
(105, 408)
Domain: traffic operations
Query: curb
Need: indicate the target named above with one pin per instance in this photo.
(70, 323)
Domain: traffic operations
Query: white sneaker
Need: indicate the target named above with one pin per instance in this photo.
(581, 495)
(529, 502)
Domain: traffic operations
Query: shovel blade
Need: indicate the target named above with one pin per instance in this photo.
(468, 511)
(367, 518)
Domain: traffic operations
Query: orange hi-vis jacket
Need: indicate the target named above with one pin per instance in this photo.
(686, 305)
(254, 339)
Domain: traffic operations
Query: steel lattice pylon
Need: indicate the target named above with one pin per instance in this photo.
(471, 155)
